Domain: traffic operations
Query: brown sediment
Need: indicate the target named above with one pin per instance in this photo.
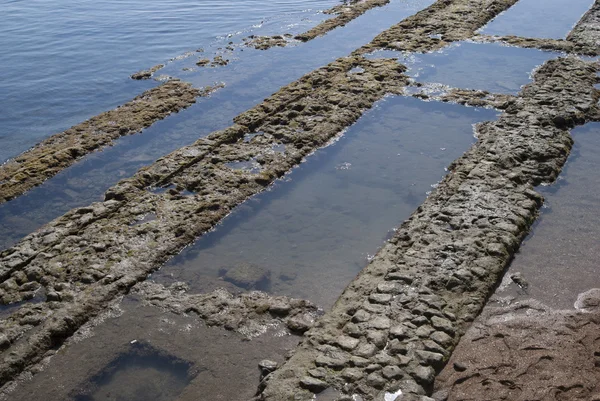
(60, 151)
(147, 74)
(526, 351)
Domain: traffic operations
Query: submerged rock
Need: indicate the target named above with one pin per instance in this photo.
(248, 276)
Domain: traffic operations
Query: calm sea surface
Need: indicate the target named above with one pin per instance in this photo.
(65, 61)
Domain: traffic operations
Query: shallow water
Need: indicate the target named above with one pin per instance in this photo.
(317, 228)
(251, 76)
(539, 18)
(63, 62)
(559, 259)
(484, 66)
(140, 374)
(140, 352)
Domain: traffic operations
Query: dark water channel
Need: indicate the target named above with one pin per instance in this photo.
(251, 76)
(559, 259)
(552, 19)
(317, 228)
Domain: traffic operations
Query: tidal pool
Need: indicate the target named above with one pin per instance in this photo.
(492, 67)
(559, 259)
(316, 229)
(552, 19)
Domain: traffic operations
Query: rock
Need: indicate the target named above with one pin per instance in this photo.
(398, 331)
(432, 346)
(388, 287)
(391, 372)
(396, 347)
(380, 322)
(372, 367)
(313, 384)
(375, 380)
(52, 296)
(319, 373)
(352, 374)
(300, 323)
(430, 358)
(331, 362)
(359, 361)
(459, 367)
(589, 300)
(383, 358)
(280, 307)
(424, 331)
(443, 324)
(366, 350)
(361, 316)
(248, 276)
(267, 366)
(423, 374)
(380, 298)
(353, 330)
(377, 337)
(347, 343)
(441, 338)
(519, 280)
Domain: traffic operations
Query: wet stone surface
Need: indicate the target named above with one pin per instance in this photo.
(438, 286)
(559, 258)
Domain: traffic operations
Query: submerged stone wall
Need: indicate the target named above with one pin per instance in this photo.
(60, 151)
(396, 324)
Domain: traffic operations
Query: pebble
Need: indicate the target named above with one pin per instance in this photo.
(380, 322)
(267, 366)
(442, 324)
(398, 332)
(347, 343)
(459, 367)
(366, 350)
(375, 380)
(313, 384)
(392, 372)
